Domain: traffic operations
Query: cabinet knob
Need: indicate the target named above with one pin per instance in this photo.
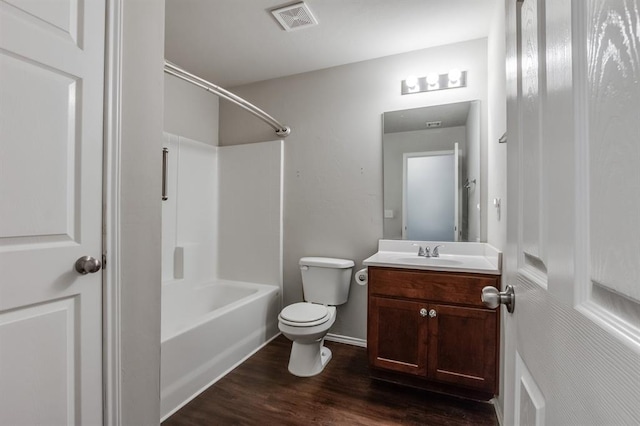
(423, 312)
(432, 313)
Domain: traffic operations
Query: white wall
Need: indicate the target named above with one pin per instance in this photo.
(137, 273)
(250, 213)
(190, 111)
(333, 157)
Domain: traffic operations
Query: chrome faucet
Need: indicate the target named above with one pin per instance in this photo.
(436, 253)
(425, 252)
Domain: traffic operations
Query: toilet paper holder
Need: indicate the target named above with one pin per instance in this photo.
(362, 277)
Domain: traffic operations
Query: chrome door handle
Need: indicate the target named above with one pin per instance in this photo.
(87, 265)
(423, 312)
(493, 298)
(432, 313)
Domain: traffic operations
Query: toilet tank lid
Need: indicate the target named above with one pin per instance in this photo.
(326, 262)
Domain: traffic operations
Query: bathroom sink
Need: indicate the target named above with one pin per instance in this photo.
(454, 257)
(454, 263)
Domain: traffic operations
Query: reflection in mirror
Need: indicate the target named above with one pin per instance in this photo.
(431, 167)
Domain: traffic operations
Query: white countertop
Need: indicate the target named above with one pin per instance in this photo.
(478, 258)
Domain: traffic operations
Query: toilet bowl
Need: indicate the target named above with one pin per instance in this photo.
(308, 354)
(325, 283)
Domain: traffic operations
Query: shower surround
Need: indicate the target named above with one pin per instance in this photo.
(219, 305)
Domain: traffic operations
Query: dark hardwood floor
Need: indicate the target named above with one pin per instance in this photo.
(262, 392)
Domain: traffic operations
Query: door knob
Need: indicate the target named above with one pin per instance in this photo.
(432, 313)
(87, 265)
(423, 312)
(492, 297)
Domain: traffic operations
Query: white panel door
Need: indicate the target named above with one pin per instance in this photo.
(572, 348)
(51, 97)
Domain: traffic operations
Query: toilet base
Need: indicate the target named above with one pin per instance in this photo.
(308, 359)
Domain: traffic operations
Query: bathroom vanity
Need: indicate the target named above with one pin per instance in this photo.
(427, 326)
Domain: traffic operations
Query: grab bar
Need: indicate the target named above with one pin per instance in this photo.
(165, 165)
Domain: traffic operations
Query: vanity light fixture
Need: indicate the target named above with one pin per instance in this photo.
(433, 81)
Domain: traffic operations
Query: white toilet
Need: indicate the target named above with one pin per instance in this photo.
(325, 284)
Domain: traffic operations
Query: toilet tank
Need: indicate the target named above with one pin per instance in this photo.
(326, 280)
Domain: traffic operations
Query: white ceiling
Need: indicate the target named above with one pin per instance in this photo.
(234, 42)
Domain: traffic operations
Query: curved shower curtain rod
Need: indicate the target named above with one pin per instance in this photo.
(176, 71)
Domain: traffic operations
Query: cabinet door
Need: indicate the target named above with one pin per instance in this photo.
(398, 335)
(462, 346)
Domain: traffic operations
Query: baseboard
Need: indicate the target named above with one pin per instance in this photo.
(498, 410)
(346, 340)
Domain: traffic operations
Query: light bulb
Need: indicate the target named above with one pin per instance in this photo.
(454, 76)
(411, 81)
(433, 79)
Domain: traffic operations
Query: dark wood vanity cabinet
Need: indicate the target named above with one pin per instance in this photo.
(430, 330)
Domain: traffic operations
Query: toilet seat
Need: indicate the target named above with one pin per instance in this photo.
(304, 314)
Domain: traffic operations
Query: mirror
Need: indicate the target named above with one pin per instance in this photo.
(431, 169)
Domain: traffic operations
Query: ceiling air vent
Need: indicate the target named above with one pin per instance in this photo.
(432, 124)
(295, 16)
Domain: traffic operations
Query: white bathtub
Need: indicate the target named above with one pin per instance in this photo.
(207, 330)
